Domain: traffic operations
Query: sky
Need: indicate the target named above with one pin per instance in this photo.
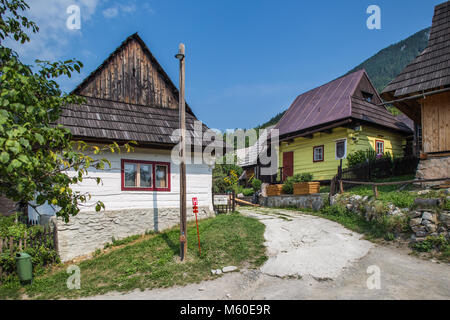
(245, 60)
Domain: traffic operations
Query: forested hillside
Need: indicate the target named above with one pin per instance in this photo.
(385, 65)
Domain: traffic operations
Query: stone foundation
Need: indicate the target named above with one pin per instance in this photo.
(89, 231)
(366, 206)
(434, 168)
(312, 201)
(426, 223)
(426, 217)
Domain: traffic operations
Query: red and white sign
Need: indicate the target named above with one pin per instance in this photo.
(195, 210)
(195, 205)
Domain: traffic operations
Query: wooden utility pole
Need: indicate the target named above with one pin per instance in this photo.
(183, 230)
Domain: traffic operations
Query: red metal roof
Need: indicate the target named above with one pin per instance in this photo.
(332, 102)
(327, 103)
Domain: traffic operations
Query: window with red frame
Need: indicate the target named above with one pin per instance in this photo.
(145, 175)
(379, 147)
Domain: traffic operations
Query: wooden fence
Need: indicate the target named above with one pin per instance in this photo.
(230, 205)
(47, 238)
(375, 185)
(348, 176)
(380, 169)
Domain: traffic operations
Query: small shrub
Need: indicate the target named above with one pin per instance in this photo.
(41, 256)
(256, 184)
(438, 243)
(362, 156)
(380, 208)
(288, 186)
(248, 192)
(358, 157)
(334, 210)
(389, 236)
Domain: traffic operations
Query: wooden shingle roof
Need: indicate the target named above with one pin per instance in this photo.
(377, 115)
(129, 97)
(103, 120)
(431, 69)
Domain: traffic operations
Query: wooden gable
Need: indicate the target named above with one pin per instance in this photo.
(366, 86)
(131, 74)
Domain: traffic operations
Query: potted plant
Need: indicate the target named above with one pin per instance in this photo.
(304, 185)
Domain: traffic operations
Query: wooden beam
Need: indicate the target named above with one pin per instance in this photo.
(246, 202)
(182, 110)
(393, 182)
(375, 191)
(331, 126)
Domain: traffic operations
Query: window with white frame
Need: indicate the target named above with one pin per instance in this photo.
(318, 153)
(161, 176)
(341, 149)
(379, 146)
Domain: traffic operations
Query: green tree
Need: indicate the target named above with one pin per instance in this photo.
(39, 161)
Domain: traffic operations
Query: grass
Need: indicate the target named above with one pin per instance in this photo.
(152, 261)
(401, 198)
(438, 246)
(383, 227)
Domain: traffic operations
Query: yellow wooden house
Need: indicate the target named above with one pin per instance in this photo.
(324, 125)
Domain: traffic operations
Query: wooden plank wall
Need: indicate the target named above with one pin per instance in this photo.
(131, 77)
(436, 123)
(365, 85)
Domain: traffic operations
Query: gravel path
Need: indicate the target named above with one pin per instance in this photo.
(314, 258)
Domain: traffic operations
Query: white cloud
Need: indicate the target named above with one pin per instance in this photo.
(130, 8)
(149, 8)
(111, 12)
(54, 40)
(117, 9)
(54, 37)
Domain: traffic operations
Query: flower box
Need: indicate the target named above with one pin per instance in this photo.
(306, 188)
(274, 190)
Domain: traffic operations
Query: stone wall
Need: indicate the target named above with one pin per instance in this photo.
(428, 223)
(426, 217)
(312, 201)
(434, 168)
(366, 206)
(89, 231)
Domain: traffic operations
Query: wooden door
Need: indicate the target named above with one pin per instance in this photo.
(288, 164)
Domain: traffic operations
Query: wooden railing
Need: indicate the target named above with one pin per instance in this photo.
(375, 185)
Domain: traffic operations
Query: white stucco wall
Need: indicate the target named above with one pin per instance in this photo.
(130, 212)
(198, 184)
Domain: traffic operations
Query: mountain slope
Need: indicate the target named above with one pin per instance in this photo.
(384, 66)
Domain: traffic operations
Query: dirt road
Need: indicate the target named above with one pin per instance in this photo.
(314, 258)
